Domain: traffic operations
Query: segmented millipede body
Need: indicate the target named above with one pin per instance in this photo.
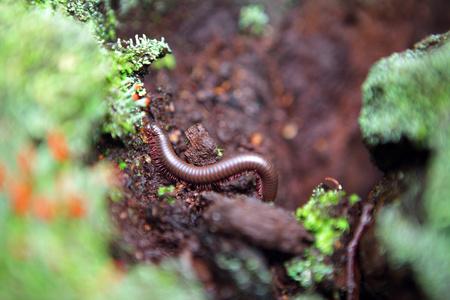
(225, 169)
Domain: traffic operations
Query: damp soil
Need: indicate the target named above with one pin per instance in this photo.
(292, 94)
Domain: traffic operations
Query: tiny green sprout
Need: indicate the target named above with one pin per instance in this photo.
(162, 190)
(219, 151)
(170, 200)
(107, 152)
(122, 165)
(253, 19)
(353, 199)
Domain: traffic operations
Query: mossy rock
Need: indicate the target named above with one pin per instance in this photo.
(406, 98)
(405, 124)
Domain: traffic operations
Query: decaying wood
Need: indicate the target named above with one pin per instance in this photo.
(201, 150)
(261, 224)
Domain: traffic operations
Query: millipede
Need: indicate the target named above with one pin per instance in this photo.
(228, 168)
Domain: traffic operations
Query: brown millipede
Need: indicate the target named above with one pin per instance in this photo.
(225, 169)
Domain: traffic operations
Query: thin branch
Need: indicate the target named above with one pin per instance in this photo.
(366, 219)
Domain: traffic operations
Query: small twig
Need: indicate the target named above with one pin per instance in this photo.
(365, 219)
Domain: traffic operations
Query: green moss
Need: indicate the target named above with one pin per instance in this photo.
(130, 61)
(319, 218)
(162, 190)
(167, 192)
(122, 165)
(322, 217)
(134, 57)
(97, 14)
(253, 19)
(309, 269)
(406, 96)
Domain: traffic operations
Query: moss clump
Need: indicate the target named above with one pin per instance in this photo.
(325, 217)
(97, 14)
(309, 269)
(319, 217)
(134, 58)
(253, 19)
(130, 61)
(407, 97)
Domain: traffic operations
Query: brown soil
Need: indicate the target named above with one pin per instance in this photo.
(292, 94)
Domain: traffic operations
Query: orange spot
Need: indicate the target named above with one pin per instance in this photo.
(25, 159)
(43, 209)
(219, 90)
(76, 207)
(175, 136)
(58, 146)
(138, 86)
(101, 156)
(256, 139)
(135, 96)
(226, 85)
(20, 197)
(146, 101)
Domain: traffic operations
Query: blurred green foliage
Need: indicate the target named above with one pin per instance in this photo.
(424, 248)
(48, 82)
(128, 60)
(54, 225)
(167, 62)
(309, 269)
(247, 270)
(253, 19)
(97, 14)
(407, 97)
